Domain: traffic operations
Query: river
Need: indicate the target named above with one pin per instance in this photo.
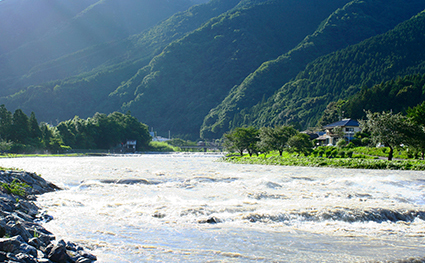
(191, 208)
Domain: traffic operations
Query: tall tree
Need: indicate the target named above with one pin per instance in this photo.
(34, 128)
(389, 129)
(5, 123)
(242, 139)
(20, 127)
(417, 115)
(276, 138)
(46, 133)
(300, 143)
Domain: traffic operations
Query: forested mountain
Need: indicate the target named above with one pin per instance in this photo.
(397, 95)
(193, 74)
(348, 25)
(55, 90)
(341, 74)
(219, 65)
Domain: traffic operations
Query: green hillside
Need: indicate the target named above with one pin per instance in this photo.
(349, 25)
(194, 74)
(396, 95)
(139, 47)
(80, 83)
(213, 66)
(343, 73)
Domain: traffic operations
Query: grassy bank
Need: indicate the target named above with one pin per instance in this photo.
(354, 163)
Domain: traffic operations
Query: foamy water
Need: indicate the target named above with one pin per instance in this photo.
(188, 208)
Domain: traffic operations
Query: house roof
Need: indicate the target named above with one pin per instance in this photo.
(343, 123)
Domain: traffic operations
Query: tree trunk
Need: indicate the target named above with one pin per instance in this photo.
(280, 152)
(390, 154)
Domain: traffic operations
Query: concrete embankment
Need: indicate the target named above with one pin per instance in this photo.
(22, 237)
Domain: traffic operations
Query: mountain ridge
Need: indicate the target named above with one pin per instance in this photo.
(268, 78)
(214, 66)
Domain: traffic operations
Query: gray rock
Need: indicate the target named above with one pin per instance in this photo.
(3, 256)
(22, 257)
(12, 258)
(211, 220)
(46, 250)
(18, 230)
(58, 253)
(87, 255)
(35, 242)
(6, 205)
(20, 218)
(27, 249)
(11, 245)
(73, 247)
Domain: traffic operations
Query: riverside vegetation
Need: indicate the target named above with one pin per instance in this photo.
(22, 237)
(356, 161)
(20, 134)
(403, 137)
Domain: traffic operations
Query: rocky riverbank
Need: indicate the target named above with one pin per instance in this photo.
(22, 237)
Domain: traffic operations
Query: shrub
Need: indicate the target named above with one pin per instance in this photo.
(350, 145)
(328, 151)
(365, 141)
(15, 187)
(341, 143)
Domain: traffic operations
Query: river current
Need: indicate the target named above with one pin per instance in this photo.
(191, 208)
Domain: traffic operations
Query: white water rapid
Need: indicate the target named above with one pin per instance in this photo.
(191, 208)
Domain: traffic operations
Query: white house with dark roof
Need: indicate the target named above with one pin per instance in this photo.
(348, 126)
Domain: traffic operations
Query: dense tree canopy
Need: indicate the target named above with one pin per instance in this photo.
(99, 132)
(266, 139)
(104, 131)
(391, 130)
(242, 139)
(276, 138)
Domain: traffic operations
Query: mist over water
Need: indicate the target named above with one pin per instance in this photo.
(191, 208)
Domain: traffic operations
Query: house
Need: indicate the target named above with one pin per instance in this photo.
(348, 128)
(130, 146)
(156, 138)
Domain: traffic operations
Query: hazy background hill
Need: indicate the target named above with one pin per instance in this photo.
(44, 30)
(80, 83)
(206, 68)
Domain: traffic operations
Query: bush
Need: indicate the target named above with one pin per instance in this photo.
(15, 187)
(365, 141)
(350, 145)
(356, 142)
(341, 143)
(328, 151)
